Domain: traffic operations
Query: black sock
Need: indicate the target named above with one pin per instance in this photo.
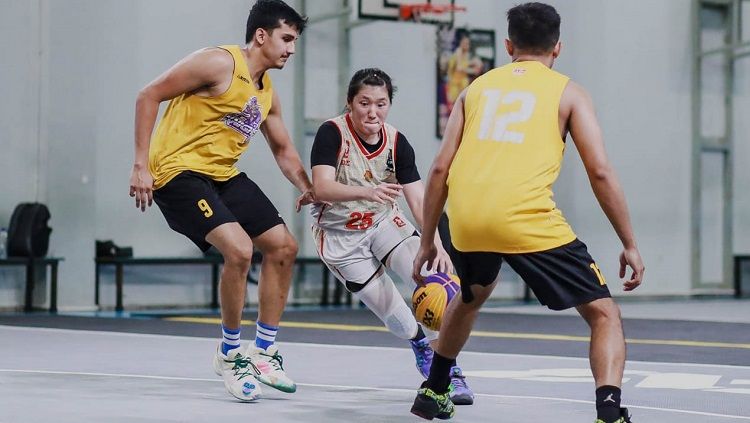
(420, 334)
(608, 403)
(440, 373)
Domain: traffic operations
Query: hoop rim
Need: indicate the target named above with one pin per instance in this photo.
(413, 11)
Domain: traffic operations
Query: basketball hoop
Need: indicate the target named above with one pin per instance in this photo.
(416, 11)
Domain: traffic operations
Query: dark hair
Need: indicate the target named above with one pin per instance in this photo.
(369, 76)
(534, 27)
(268, 14)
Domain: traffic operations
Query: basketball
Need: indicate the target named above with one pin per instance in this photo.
(429, 301)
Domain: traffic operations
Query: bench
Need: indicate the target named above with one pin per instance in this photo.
(210, 260)
(31, 264)
(738, 259)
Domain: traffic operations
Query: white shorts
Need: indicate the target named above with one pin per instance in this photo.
(355, 256)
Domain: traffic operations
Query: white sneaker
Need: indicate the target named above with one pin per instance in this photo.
(270, 367)
(239, 374)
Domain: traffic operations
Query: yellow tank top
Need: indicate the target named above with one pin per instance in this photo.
(500, 181)
(208, 134)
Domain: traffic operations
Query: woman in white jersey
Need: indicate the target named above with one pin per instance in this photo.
(361, 165)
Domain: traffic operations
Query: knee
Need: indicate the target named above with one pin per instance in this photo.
(604, 311)
(239, 255)
(479, 294)
(284, 252)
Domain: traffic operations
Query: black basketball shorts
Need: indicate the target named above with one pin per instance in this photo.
(560, 278)
(194, 204)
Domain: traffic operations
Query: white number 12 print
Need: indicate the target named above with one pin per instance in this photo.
(493, 127)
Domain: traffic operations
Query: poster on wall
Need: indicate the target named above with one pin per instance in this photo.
(463, 55)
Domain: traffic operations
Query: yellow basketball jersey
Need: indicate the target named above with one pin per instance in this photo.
(500, 181)
(208, 134)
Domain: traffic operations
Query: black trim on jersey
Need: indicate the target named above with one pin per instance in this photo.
(325, 151)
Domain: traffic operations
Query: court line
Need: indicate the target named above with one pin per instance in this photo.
(371, 388)
(358, 347)
(476, 333)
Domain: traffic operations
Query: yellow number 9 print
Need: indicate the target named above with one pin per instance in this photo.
(205, 208)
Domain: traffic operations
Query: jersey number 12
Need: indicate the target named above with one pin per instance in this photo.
(494, 127)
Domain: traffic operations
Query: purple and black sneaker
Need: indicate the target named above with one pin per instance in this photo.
(423, 354)
(460, 392)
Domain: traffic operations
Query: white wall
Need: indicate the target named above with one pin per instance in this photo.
(66, 132)
(20, 147)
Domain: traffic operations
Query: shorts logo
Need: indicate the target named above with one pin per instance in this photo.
(247, 122)
(399, 222)
(598, 272)
(205, 208)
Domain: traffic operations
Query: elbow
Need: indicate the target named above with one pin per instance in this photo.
(600, 174)
(439, 170)
(144, 96)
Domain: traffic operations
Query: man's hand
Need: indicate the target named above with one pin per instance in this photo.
(385, 193)
(631, 257)
(307, 197)
(442, 261)
(142, 187)
(426, 254)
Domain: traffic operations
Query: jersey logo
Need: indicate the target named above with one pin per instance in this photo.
(345, 158)
(368, 175)
(248, 121)
(389, 162)
(519, 71)
(243, 79)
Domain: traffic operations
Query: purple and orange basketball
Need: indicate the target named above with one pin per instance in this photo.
(429, 301)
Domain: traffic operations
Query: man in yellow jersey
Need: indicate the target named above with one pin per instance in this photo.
(219, 98)
(501, 153)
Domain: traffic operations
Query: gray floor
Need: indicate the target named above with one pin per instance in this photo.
(63, 375)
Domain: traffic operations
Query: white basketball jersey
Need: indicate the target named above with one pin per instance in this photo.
(358, 167)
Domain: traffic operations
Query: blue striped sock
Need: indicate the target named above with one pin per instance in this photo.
(265, 335)
(231, 339)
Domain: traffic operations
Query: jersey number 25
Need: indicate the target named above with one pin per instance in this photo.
(360, 221)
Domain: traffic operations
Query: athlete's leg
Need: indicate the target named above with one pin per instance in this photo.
(237, 249)
(606, 355)
(384, 300)
(400, 261)
(479, 273)
(459, 320)
(607, 349)
(279, 250)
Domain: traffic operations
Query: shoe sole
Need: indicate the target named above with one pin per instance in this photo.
(462, 400)
(288, 389)
(428, 410)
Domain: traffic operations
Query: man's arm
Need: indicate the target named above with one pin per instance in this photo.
(283, 149)
(437, 189)
(203, 69)
(587, 136)
(414, 195)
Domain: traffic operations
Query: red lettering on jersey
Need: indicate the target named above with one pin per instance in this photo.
(360, 221)
(345, 158)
